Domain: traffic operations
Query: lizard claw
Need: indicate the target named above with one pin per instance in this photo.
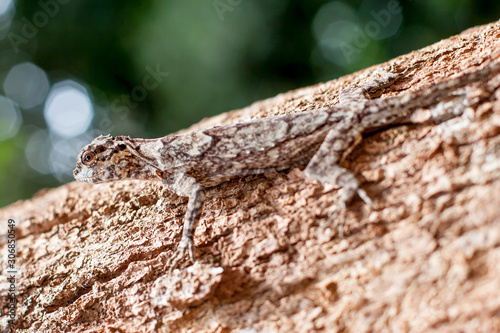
(342, 208)
(362, 194)
(179, 254)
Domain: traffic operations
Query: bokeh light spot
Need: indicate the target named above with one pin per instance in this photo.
(68, 109)
(335, 26)
(4, 6)
(10, 118)
(26, 84)
(331, 13)
(37, 151)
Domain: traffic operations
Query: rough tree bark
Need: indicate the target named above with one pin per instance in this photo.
(426, 259)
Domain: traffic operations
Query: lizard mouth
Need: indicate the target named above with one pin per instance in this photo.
(83, 177)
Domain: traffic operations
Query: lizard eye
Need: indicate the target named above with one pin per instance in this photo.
(87, 157)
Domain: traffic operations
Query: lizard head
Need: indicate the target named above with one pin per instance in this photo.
(109, 158)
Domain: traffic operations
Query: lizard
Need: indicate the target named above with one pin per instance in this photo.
(188, 164)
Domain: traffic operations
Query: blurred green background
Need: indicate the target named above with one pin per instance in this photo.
(73, 69)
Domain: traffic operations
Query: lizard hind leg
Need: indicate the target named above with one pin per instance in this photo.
(324, 167)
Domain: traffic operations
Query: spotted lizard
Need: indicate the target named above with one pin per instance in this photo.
(189, 163)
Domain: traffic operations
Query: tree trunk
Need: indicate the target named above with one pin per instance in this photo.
(93, 257)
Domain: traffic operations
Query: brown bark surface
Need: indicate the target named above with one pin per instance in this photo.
(93, 257)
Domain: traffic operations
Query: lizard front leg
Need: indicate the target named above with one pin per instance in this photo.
(324, 167)
(187, 186)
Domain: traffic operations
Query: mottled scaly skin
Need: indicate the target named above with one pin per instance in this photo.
(212, 154)
(318, 139)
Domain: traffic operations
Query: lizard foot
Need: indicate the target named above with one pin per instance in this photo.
(186, 244)
(341, 209)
